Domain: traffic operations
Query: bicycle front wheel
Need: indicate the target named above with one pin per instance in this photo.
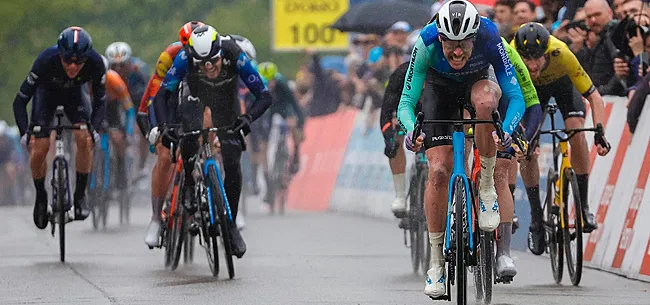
(177, 235)
(572, 229)
(415, 235)
(96, 188)
(61, 198)
(552, 229)
(460, 200)
(219, 205)
(422, 221)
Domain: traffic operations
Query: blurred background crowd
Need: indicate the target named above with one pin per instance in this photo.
(610, 39)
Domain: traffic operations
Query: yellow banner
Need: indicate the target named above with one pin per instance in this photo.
(300, 24)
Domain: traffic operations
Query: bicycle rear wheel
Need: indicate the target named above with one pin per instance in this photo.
(572, 226)
(224, 222)
(552, 229)
(460, 219)
(61, 196)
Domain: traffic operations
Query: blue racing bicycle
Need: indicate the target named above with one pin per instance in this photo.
(461, 235)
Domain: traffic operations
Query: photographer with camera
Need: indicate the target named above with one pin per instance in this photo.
(596, 51)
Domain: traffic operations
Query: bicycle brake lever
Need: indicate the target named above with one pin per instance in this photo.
(496, 118)
(418, 126)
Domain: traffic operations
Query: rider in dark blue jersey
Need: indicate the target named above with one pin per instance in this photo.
(208, 72)
(464, 61)
(59, 77)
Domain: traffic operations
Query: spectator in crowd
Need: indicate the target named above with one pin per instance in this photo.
(551, 9)
(594, 49)
(578, 20)
(326, 93)
(632, 7)
(503, 16)
(394, 50)
(524, 12)
(618, 9)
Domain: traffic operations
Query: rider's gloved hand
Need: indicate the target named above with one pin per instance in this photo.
(243, 123)
(391, 145)
(602, 144)
(414, 146)
(23, 140)
(96, 136)
(153, 136)
(507, 140)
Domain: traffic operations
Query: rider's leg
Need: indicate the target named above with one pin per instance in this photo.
(38, 149)
(231, 150)
(117, 138)
(292, 123)
(573, 111)
(505, 264)
(580, 163)
(512, 177)
(143, 145)
(161, 176)
(435, 207)
(485, 96)
(398, 169)
(43, 107)
(83, 164)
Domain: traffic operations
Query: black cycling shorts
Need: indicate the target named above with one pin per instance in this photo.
(567, 97)
(443, 99)
(114, 115)
(76, 103)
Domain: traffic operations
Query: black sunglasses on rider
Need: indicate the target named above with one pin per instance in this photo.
(72, 59)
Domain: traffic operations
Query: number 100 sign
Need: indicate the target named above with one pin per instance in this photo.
(300, 24)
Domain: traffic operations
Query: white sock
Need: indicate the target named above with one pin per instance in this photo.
(437, 240)
(399, 181)
(487, 171)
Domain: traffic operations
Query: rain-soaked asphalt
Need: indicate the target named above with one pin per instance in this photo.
(301, 258)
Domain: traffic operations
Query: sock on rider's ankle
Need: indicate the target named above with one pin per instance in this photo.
(487, 169)
(436, 239)
(156, 208)
(583, 190)
(536, 212)
(82, 182)
(399, 181)
(505, 235)
(39, 184)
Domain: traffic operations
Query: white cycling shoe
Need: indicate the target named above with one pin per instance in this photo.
(506, 267)
(153, 234)
(436, 281)
(240, 222)
(399, 207)
(488, 216)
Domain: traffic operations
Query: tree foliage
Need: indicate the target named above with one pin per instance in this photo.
(147, 25)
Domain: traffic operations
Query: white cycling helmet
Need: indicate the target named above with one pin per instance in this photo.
(106, 64)
(204, 44)
(458, 20)
(246, 46)
(118, 52)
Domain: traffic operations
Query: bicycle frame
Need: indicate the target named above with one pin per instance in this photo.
(458, 172)
(60, 156)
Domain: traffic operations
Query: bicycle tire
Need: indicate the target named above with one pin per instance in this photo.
(219, 204)
(177, 235)
(487, 251)
(61, 196)
(188, 247)
(175, 199)
(95, 193)
(209, 233)
(574, 266)
(479, 281)
(551, 227)
(414, 227)
(460, 218)
(425, 258)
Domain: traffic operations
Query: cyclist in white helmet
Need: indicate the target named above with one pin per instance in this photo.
(463, 60)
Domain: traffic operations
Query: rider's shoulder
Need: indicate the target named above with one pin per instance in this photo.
(48, 55)
(230, 48)
(429, 34)
(488, 29)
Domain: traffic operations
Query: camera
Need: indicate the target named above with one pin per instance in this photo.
(580, 24)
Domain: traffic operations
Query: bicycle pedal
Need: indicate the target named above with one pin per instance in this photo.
(193, 229)
(555, 210)
(400, 215)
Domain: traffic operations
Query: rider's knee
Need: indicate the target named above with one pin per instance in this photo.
(83, 140)
(39, 148)
(485, 97)
(439, 174)
(116, 136)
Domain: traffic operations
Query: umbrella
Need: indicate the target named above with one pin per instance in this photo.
(377, 16)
